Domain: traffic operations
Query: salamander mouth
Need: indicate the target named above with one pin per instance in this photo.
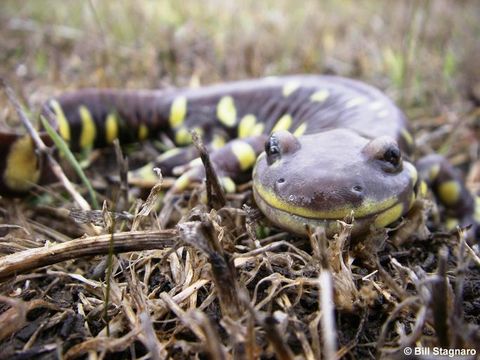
(297, 219)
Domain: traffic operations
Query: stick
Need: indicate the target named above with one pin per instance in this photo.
(32, 259)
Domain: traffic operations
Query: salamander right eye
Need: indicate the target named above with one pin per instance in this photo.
(272, 148)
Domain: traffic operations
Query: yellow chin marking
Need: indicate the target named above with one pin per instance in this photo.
(320, 95)
(369, 207)
(246, 125)
(300, 130)
(63, 125)
(21, 169)
(293, 222)
(289, 88)
(111, 128)
(244, 153)
(389, 216)
(178, 112)
(226, 111)
(89, 131)
(142, 132)
(449, 192)
(283, 123)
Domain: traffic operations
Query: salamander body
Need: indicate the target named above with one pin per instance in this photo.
(321, 147)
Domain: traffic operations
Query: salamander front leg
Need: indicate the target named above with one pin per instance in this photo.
(449, 188)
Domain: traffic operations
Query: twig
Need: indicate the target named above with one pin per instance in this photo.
(328, 317)
(32, 259)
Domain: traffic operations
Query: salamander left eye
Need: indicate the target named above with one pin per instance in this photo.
(393, 155)
(272, 148)
(385, 150)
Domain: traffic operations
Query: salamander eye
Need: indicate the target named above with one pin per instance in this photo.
(385, 150)
(393, 155)
(280, 143)
(272, 148)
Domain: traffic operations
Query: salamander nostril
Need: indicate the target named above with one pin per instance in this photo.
(281, 180)
(358, 188)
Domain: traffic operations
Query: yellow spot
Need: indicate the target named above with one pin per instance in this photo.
(355, 102)
(320, 95)
(228, 184)
(111, 128)
(183, 137)
(199, 131)
(300, 130)
(449, 192)
(246, 125)
(63, 125)
(218, 141)
(290, 88)
(476, 215)
(144, 173)
(376, 105)
(451, 223)
(226, 111)
(89, 130)
(389, 216)
(283, 123)
(142, 132)
(257, 129)
(168, 154)
(433, 172)
(178, 111)
(182, 182)
(21, 170)
(196, 162)
(407, 136)
(244, 153)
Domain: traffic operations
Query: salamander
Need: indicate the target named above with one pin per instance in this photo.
(318, 148)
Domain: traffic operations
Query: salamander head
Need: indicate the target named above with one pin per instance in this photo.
(321, 178)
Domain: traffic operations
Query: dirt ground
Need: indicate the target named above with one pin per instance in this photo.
(180, 278)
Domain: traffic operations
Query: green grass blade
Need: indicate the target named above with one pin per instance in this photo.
(63, 147)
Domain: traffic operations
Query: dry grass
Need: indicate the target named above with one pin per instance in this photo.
(220, 284)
